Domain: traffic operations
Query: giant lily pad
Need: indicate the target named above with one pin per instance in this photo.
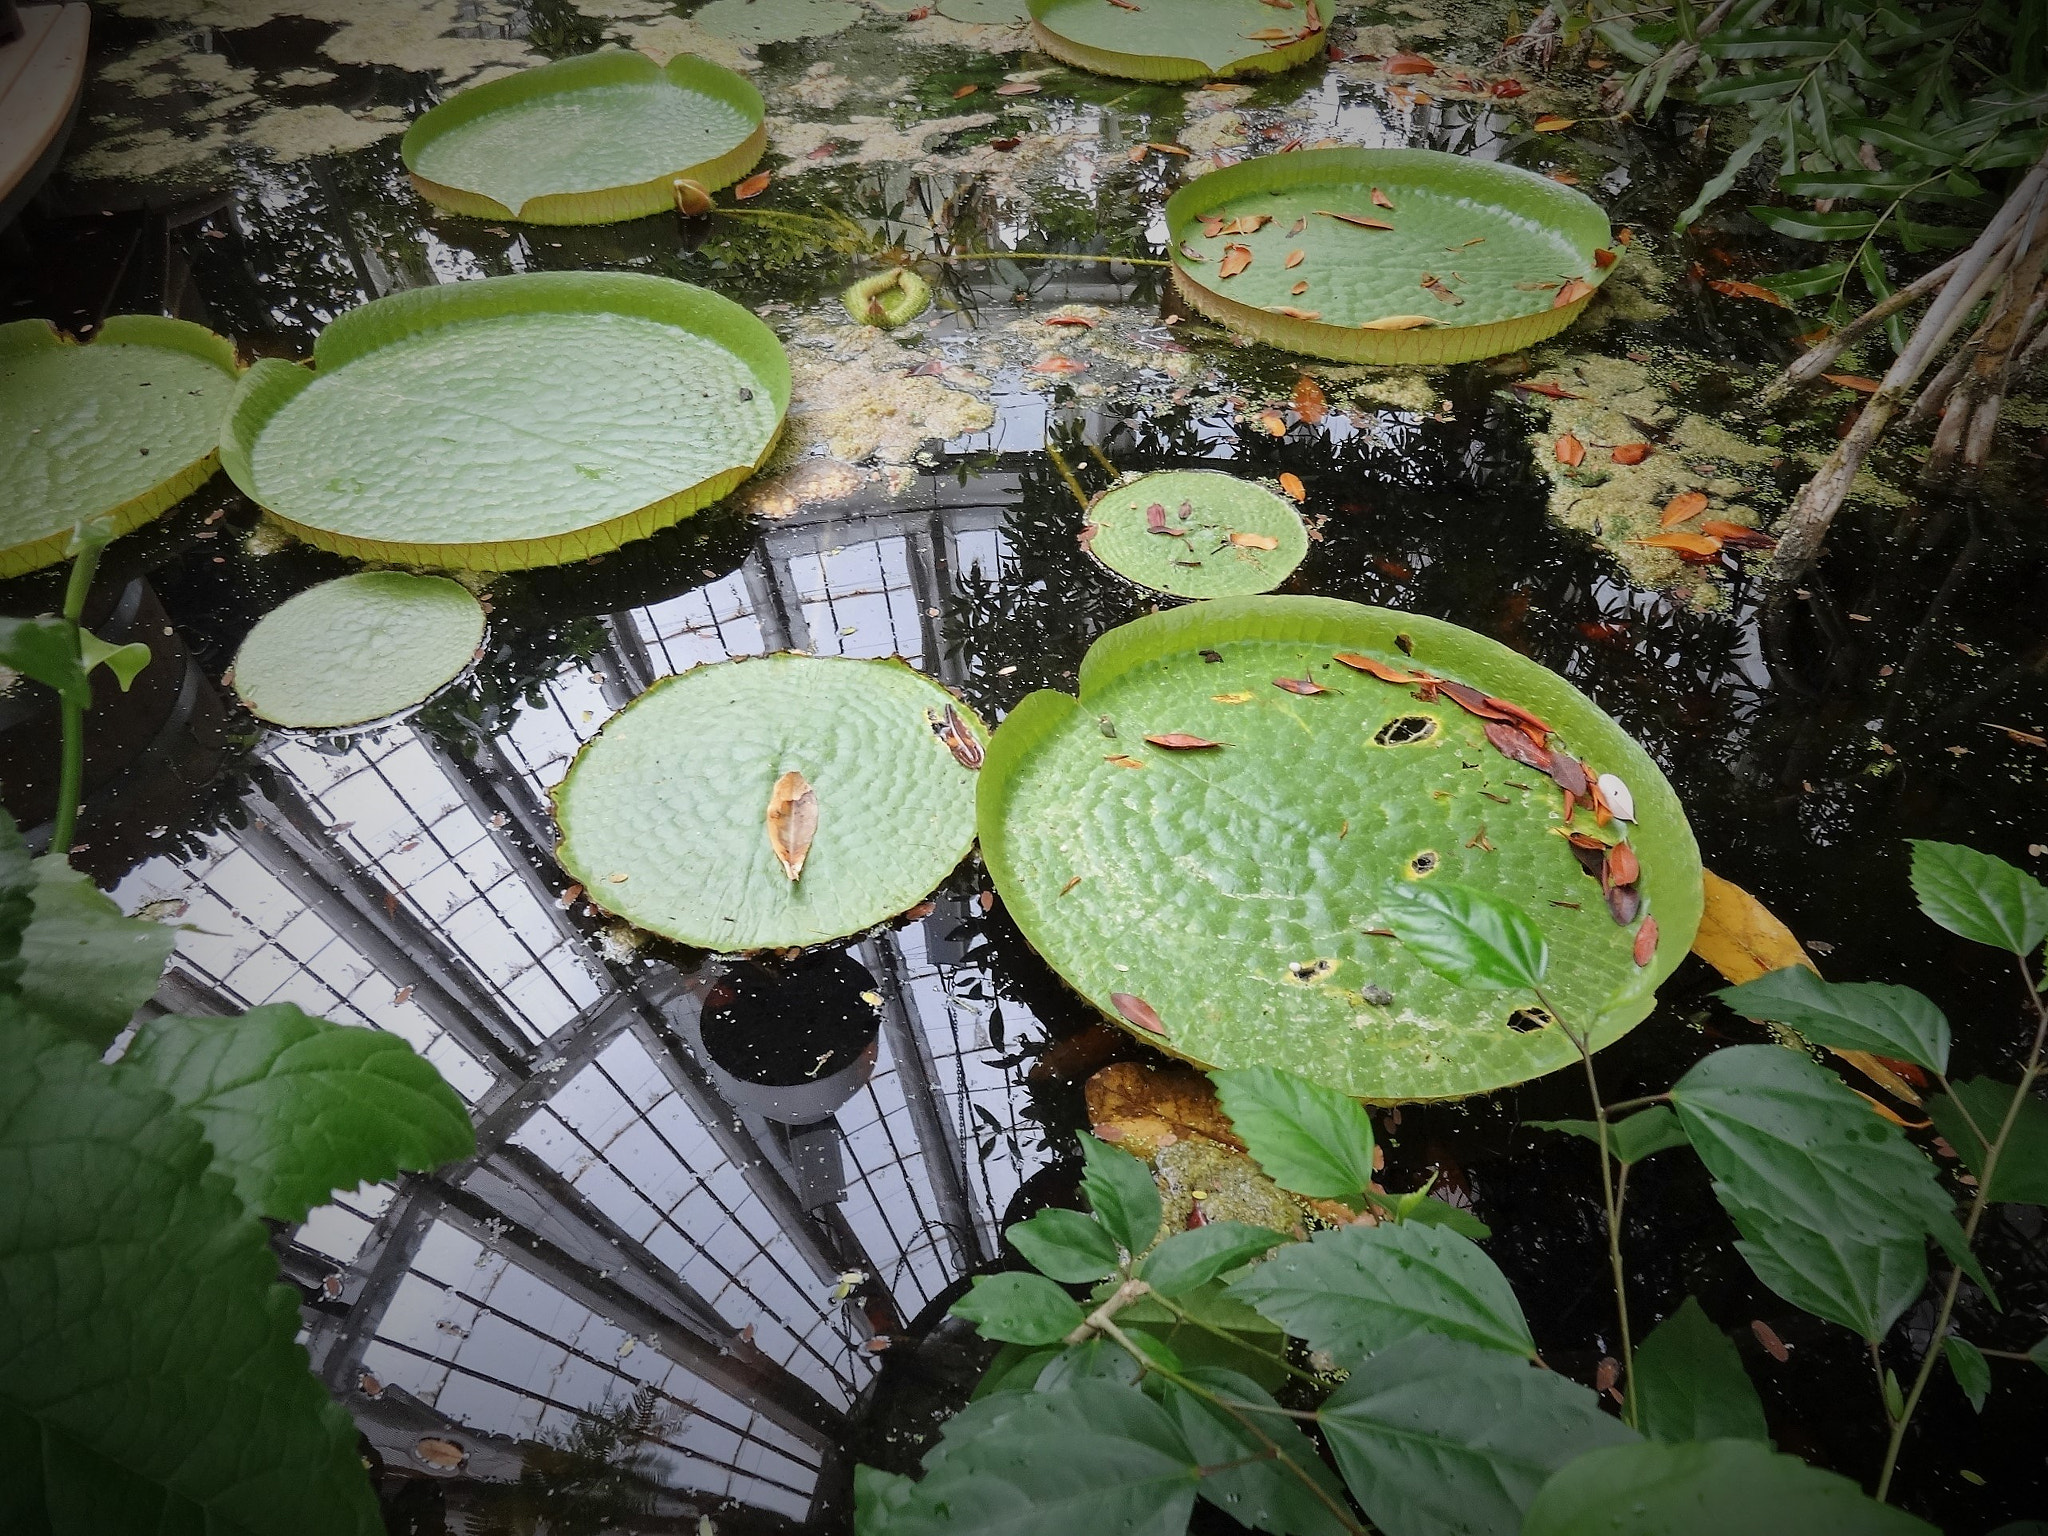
(124, 426)
(1215, 535)
(512, 421)
(665, 814)
(776, 21)
(1226, 901)
(1178, 39)
(357, 649)
(588, 140)
(1404, 255)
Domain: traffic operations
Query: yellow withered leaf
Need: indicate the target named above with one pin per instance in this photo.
(792, 821)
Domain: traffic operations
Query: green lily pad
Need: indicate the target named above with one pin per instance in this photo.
(888, 299)
(1196, 555)
(1482, 252)
(1000, 13)
(776, 21)
(126, 426)
(664, 814)
(357, 649)
(589, 140)
(511, 421)
(1229, 890)
(1178, 39)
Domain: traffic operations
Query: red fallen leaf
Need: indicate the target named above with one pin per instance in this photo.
(1507, 90)
(1393, 568)
(1606, 634)
(1746, 291)
(1235, 259)
(1625, 902)
(1021, 87)
(1646, 942)
(1905, 1069)
(1535, 725)
(1378, 669)
(1682, 508)
(824, 151)
(1738, 536)
(1604, 258)
(1058, 364)
(1516, 746)
(960, 93)
(1358, 219)
(1155, 518)
(1195, 1216)
(1570, 451)
(1291, 484)
(1631, 453)
(1569, 775)
(1081, 320)
(1773, 1345)
(1004, 145)
(1589, 851)
(1301, 685)
(753, 186)
(1138, 1011)
(1621, 866)
(1472, 701)
(1547, 391)
(1409, 64)
(1573, 291)
(1381, 200)
(1181, 741)
(1854, 381)
(1309, 402)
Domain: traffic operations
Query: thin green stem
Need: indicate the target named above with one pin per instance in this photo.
(1234, 1339)
(1877, 1374)
(71, 717)
(1969, 1119)
(1627, 1105)
(1067, 474)
(1992, 1150)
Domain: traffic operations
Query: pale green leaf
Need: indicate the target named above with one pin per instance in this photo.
(1201, 1254)
(1019, 1309)
(1069, 1246)
(1119, 1189)
(1468, 936)
(1980, 897)
(1848, 1015)
(124, 661)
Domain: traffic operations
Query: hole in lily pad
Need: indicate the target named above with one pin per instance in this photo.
(1528, 1020)
(1424, 864)
(1407, 730)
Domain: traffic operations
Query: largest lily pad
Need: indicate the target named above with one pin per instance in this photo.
(512, 421)
(1179, 39)
(1229, 893)
(1475, 258)
(126, 426)
(664, 814)
(587, 140)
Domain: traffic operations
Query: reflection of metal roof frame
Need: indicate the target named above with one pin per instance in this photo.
(622, 1223)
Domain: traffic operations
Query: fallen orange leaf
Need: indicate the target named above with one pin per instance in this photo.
(1295, 258)
(1395, 323)
(1573, 291)
(1631, 453)
(1409, 64)
(1058, 364)
(753, 186)
(1570, 451)
(1297, 314)
(1555, 124)
(1381, 200)
(1309, 402)
(1698, 546)
(1235, 259)
(1855, 381)
(1680, 508)
(1291, 484)
(1747, 291)
(965, 91)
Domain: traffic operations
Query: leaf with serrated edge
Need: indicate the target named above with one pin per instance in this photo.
(1690, 1384)
(1470, 936)
(1119, 1189)
(85, 967)
(1981, 897)
(1019, 1309)
(1257, 1490)
(1067, 1245)
(2023, 1161)
(1193, 1258)
(1853, 1015)
(1308, 1138)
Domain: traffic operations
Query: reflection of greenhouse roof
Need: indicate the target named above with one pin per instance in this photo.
(622, 1226)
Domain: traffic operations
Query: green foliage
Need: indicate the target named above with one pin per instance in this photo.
(1834, 1204)
(1709, 1489)
(1982, 898)
(296, 1107)
(1848, 1015)
(1019, 1309)
(1972, 1370)
(1260, 1492)
(1631, 1138)
(1973, 1115)
(1690, 1384)
(1070, 1247)
(85, 967)
(1308, 1138)
(1191, 1259)
(1469, 936)
(1119, 1189)
(1420, 1207)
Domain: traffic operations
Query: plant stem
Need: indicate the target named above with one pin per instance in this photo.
(1978, 1206)
(71, 765)
(1613, 1209)
(1067, 474)
(1627, 1105)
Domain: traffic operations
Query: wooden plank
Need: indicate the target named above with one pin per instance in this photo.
(41, 74)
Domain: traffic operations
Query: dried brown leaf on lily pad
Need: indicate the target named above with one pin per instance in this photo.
(1515, 745)
(1181, 741)
(1358, 219)
(1123, 760)
(1379, 669)
(1625, 902)
(1138, 1012)
(1396, 323)
(1621, 866)
(1295, 258)
(1473, 702)
(1646, 942)
(1235, 259)
(1254, 541)
(792, 821)
(1301, 685)
(1381, 200)
(1573, 291)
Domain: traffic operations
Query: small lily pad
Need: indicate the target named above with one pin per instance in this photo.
(1001, 13)
(510, 421)
(357, 649)
(1178, 39)
(666, 815)
(776, 21)
(588, 140)
(1238, 894)
(1386, 255)
(1216, 535)
(126, 426)
(888, 299)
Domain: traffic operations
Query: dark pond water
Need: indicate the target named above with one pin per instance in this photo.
(733, 1187)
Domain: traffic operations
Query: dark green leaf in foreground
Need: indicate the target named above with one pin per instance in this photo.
(1468, 936)
(1070, 1246)
(1631, 1138)
(1715, 1489)
(2023, 1161)
(1972, 1370)
(1019, 1309)
(1119, 1189)
(1357, 1290)
(1262, 1494)
(1833, 1203)
(1980, 897)
(1848, 1015)
(85, 967)
(1195, 1257)
(1690, 1384)
(46, 649)
(297, 1107)
(171, 1351)
(1308, 1138)
(17, 902)
(1438, 1435)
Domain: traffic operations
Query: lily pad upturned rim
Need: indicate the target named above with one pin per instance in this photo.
(1317, 622)
(444, 593)
(607, 205)
(25, 336)
(1168, 68)
(1490, 181)
(1295, 545)
(596, 884)
(272, 383)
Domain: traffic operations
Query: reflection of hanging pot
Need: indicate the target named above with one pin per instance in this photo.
(790, 1042)
(148, 752)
